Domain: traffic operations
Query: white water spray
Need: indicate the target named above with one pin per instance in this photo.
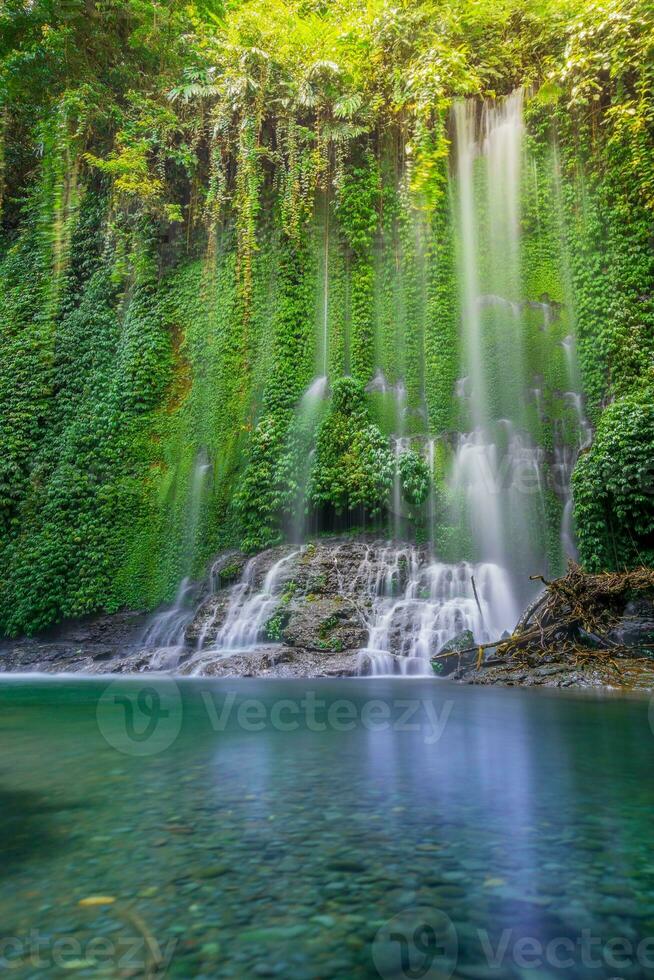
(496, 482)
(419, 605)
(251, 608)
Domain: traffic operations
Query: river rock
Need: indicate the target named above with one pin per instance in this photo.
(446, 665)
(209, 618)
(273, 661)
(315, 621)
(636, 628)
(327, 623)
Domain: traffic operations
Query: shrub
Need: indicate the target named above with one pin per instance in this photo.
(613, 485)
(353, 465)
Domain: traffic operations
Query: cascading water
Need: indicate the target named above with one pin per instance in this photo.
(521, 423)
(431, 499)
(566, 452)
(165, 631)
(250, 608)
(410, 605)
(419, 605)
(400, 445)
(307, 418)
(499, 477)
(323, 346)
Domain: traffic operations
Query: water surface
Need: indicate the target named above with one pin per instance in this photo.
(322, 828)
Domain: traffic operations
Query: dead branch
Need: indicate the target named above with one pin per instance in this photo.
(572, 619)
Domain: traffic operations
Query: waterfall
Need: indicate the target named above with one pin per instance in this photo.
(400, 445)
(250, 608)
(568, 345)
(409, 604)
(566, 453)
(521, 423)
(201, 469)
(324, 353)
(165, 632)
(465, 115)
(419, 605)
(431, 499)
(497, 479)
(307, 418)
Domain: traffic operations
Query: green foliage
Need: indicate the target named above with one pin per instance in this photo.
(260, 496)
(276, 625)
(415, 478)
(353, 466)
(197, 200)
(357, 211)
(442, 306)
(84, 487)
(608, 70)
(268, 489)
(614, 487)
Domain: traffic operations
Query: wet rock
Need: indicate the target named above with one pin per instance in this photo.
(346, 864)
(273, 661)
(445, 665)
(636, 628)
(330, 624)
(631, 675)
(633, 632)
(316, 623)
(212, 871)
(208, 619)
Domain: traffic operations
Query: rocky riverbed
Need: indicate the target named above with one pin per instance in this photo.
(333, 608)
(314, 625)
(629, 673)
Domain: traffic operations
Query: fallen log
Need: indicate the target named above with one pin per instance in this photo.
(572, 618)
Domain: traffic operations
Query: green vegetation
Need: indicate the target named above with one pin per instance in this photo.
(353, 467)
(205, 205)
(614, 486)
(415, 477)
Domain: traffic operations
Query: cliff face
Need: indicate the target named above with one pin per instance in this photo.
(340, 607)
(274, 270)
(329, 607)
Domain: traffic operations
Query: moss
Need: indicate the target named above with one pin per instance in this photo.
(151, 375)
(613, 488)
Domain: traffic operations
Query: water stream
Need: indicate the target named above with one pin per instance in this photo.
(501, 472)
(305, 426)
(251, 608)
(292, 847)
(510, 462)
(165, 631)
(419, 605)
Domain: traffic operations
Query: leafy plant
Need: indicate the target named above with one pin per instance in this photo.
(353, 465)
(614, 488)
(415, 477)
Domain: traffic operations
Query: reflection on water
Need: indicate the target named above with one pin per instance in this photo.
(289, 822)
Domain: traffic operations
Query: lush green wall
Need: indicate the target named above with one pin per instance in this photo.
(183, 225)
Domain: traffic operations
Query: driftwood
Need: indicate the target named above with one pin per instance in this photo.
(474, 589)
(571, 618)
